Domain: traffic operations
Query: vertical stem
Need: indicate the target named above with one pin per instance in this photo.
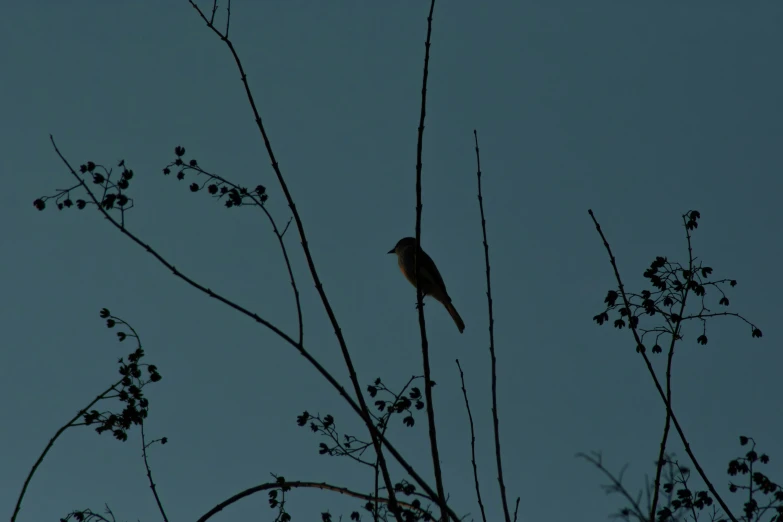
(153, 487)
(675, 337)
(495, 420)
(419, 296)
(472, 444)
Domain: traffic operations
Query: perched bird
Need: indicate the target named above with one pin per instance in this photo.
(432, 282)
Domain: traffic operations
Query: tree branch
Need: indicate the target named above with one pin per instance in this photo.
(154, 489)
(298, 484)
(617, 484)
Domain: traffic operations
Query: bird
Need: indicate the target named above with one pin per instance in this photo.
(432, 283)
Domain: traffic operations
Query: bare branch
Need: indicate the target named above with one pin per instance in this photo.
(298, 484)
(495, 421)
(153, 487)
(472, 444)
(617, 484)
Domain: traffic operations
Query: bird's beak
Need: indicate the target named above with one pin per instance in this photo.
(391, 251)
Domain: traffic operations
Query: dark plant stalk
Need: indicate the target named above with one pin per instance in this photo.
(657, 383)
(425, 352)
(472, 444)
(617, 485)
(153, 487)
(298, 484)
(495, 421)
(376, 490)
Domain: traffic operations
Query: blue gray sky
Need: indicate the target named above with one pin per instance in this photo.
(638, 110)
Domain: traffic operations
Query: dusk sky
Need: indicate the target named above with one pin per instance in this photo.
(639, 111)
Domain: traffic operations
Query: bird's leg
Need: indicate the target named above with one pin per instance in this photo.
(422, 302)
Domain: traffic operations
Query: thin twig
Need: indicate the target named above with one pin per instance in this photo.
(51, 443)
(228, 17)
(516, 509)
(278, 234)
(425, 352)
(684, 475)
(650, 369)
(718, 314)
(472, 443)
(376, 489)
(298, 484)
(153, 487)
(290, 272)
(617, 485)
(214, 10)
(495, 420)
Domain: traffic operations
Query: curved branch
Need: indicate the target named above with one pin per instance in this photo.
(298, 484)
(69, 424)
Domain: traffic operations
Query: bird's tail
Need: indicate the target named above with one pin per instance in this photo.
(455, 315)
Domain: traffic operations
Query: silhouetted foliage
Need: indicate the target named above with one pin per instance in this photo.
(217, 186)
(346, 445)
(128, 390)
(763, 496)
(111, 194)
(672, 283)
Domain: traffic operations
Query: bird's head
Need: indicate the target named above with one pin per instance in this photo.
(403, 243)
